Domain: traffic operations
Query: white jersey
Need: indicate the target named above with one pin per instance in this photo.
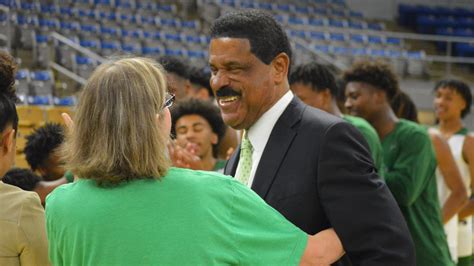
(459, 235)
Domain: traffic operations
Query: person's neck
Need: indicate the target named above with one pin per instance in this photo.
(208, 161)
(449, 127)
(384, 122)
(334, 109)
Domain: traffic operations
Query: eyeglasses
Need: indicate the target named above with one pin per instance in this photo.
(169, 100)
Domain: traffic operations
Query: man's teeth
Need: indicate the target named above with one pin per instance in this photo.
(228, 99)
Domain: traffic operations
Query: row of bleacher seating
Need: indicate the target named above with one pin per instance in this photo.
(443, 21)
(408, 14)
(322, 7)
(48, 7)
(349, 39)
(329, 22)
(36, 87)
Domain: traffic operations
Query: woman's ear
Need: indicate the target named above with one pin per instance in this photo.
(164, 120)
(8, 142)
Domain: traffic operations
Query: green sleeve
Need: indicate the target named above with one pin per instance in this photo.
(412, 169)
(375, 149)
(262, 235)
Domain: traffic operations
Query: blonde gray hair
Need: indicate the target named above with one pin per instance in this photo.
(116, 135)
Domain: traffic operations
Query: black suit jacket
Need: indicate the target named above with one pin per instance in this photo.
(317, 171)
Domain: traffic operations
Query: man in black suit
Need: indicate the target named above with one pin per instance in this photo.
(312, 167)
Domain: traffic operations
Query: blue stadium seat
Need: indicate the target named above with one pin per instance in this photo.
(196, 54)
(375, 40)
(190, 24)
(355, 24)
(48, 8)
(319, 11)
(84, 66)
(174, 52)
(337, 37)
(302, 9)
(40, 100)
(355, 14)
(297, 21)
(297, 33)
(338, 13)
(23, 84)
(151, 50)
(359, 51)
(377, 53)
(284, 7)
(109, 47)
(375, 26)
(358, 38)
(341, 50)
(318, 22)
(266, 6)
(318, 36)
(66, 11)
(320, 48)
(90, 44)
(132, 48)
(173, 37)
(393, 41)
(65, 101)
(464, 49)
(251, 5)
(338, 23)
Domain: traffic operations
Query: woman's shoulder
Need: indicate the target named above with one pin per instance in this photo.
(196, 177)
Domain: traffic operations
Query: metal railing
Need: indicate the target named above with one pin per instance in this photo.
(58, 38)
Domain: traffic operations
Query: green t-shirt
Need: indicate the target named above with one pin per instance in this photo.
(372, 139)
(410, 166)
(187, 218)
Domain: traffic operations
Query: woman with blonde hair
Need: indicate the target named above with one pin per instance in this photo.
(129, 207)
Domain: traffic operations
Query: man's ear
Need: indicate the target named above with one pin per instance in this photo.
(214, 139)
(8, 143)
(280, 65)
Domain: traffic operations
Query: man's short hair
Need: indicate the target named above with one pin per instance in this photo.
(267, 38)
(42, 143)
(319, 77)
(174, 65)
(206, 110)
(201, 78)
(22, 178)
(376, 73)
(461, 88)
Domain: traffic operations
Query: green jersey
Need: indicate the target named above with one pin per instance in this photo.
(372, 139)
(410, 174)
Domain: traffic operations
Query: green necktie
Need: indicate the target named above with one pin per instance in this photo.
(245, 160)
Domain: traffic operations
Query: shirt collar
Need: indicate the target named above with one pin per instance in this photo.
(260, 131)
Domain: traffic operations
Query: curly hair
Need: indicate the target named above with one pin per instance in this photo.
(461, 88)
(376, 73)
(205, 109)
(8, 97)
(42, 143)
(318, 76)
(22, 177)
(267, 38)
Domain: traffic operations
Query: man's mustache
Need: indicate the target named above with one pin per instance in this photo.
(227, 91)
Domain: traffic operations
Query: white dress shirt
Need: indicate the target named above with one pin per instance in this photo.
(260, 131)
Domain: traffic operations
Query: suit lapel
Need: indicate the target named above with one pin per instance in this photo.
(231, 165)
(277, 146)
